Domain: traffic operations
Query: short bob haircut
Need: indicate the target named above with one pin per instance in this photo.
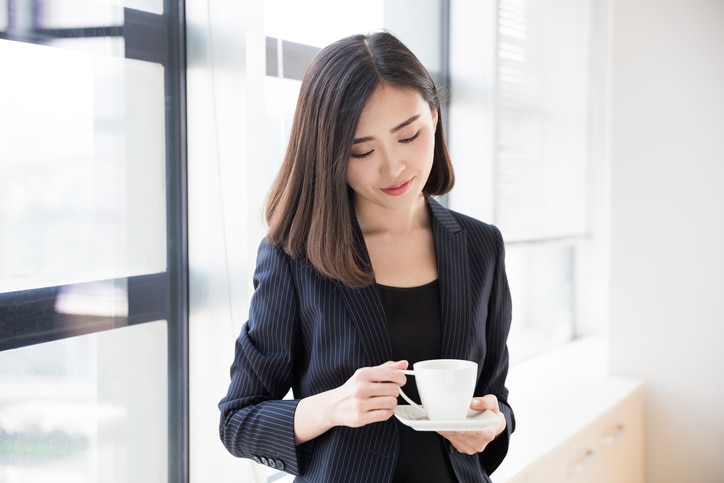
(309, 209)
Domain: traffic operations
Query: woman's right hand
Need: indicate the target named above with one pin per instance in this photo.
(369, 396)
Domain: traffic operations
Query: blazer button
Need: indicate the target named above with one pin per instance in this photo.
(272, 463)
(256, 459)
(264, 461)
(280, 465)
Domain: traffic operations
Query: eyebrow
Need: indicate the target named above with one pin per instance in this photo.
(393, 130)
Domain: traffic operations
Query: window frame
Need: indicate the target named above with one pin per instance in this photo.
(27, 316)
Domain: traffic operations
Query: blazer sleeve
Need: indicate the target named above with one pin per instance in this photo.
(255, 421)
(495, 367)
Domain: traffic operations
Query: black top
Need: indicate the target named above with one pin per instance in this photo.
(413, 319)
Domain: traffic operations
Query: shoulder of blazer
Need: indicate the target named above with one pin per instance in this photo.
(444, 216)
(454, 222)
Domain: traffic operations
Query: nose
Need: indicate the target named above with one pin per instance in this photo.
(392, 163)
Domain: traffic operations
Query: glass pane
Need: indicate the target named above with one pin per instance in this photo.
(90, 13)
(77, 14)
(150, 6)
(82, 170)
(541, 283)
(542, 104)
(320, 22)
(281, 99)
(3, 15)
(86, 409)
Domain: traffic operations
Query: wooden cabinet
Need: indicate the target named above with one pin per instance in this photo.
(609, 449)
(583, 431)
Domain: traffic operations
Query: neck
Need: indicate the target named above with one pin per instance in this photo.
(378, 220)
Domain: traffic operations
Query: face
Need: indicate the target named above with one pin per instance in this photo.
(392, 152)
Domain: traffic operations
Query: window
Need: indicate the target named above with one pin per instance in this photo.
(92, 242)
(523, 135)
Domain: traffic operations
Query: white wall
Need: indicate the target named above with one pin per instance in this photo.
(667, 222)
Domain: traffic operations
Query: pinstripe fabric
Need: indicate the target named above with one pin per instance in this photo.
(310, 333)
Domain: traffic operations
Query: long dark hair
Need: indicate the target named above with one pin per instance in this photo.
(309, 209)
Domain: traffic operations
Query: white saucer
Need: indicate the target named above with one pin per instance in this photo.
(414, 418)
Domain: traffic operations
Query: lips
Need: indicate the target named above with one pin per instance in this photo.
(398, 189)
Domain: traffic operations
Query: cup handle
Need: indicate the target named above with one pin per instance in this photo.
(406, 397)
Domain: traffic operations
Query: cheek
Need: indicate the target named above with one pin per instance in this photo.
(425, 150)
(356, 172)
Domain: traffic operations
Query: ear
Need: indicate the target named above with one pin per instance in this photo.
(434, 119)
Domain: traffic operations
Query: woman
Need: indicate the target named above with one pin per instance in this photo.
(363, 273)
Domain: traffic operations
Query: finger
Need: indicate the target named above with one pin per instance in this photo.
(386, 389)
(374, 389)
(391, 372)
(489, 401)
(461, 435)
(389, 402)
(398, 377)
(401, 364)
(376, 403)
(379, 415)
(482, 404)
(469, 442)
(387, 372)
(372, 416)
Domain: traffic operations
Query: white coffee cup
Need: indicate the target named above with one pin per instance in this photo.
(446, 387)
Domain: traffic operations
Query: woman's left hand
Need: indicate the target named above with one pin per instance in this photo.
(472, 442)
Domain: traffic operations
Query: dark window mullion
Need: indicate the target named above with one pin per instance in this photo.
(148, 36)
(30, 316)
(161, 39)
(171, 52)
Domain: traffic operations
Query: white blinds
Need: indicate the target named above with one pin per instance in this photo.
(541, 147)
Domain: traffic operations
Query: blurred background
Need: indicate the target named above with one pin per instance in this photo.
(138, 139)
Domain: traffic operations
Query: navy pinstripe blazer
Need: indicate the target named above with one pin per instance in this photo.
(309, 333)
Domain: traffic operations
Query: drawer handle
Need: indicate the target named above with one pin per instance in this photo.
(581, 465)
(615, 435)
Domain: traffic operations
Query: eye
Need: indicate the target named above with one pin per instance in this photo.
(410, 139)
(363, 155)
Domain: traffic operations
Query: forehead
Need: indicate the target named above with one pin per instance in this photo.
(388, 106)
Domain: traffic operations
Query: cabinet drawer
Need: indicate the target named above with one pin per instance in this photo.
(619, 437)
(569, 462)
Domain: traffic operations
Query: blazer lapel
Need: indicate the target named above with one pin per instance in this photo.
(453, 267)
(368, 315)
